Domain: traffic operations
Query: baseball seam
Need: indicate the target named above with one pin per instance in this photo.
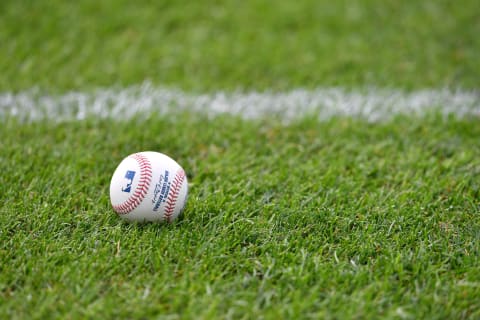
(173, 194)
(142, 188)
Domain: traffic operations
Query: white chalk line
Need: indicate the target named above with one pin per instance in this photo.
(372, 104)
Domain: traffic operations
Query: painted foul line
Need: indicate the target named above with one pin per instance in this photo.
(324, 103)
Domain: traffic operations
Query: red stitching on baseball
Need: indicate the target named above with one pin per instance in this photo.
(173, 194)
(142, 187)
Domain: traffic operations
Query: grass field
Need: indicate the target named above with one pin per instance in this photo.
(207, 45)
(310, 218)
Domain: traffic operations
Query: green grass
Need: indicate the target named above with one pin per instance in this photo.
(256, 44)
(340, 219)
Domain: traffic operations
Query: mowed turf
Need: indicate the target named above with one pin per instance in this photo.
(331, 219)
(255, 44)
(340, 219)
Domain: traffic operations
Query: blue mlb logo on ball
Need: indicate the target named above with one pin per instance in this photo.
(129, 177)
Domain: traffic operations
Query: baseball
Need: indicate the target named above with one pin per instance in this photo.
(148, 186)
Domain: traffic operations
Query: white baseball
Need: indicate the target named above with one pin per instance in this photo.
(148, 186)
